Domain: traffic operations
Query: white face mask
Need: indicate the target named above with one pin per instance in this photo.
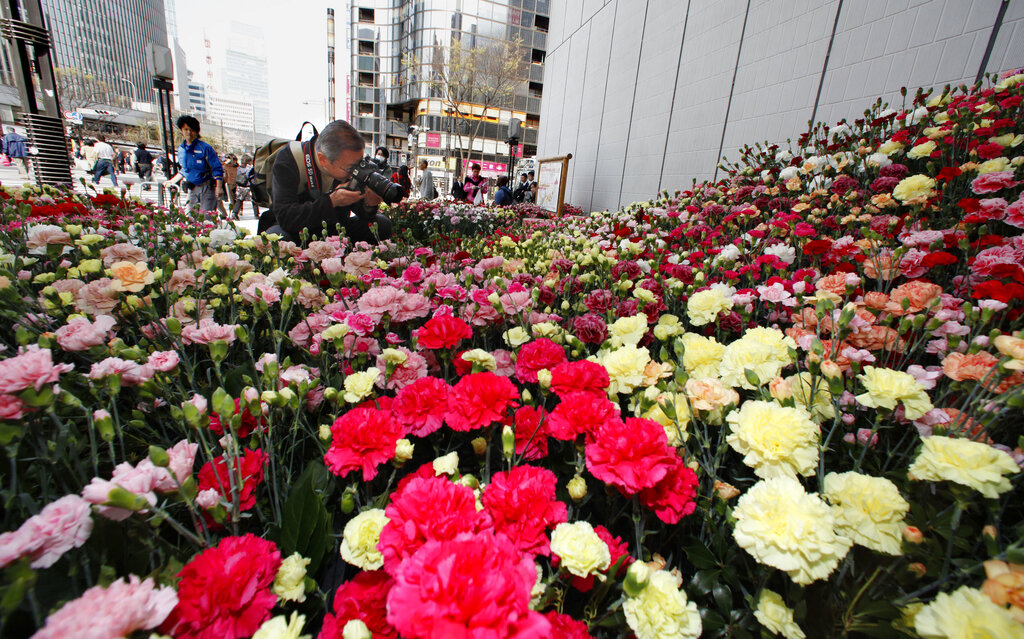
(380, 158)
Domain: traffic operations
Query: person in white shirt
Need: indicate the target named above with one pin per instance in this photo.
(426, 182)
(104, 160)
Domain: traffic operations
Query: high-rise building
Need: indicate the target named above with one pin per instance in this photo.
(245, 76)
(395, 43)
(231, 111)
(100, 47)
(196, 97)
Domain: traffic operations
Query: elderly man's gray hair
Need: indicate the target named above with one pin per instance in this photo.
(337, 137)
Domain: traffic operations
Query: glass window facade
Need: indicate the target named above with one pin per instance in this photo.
(419, 30)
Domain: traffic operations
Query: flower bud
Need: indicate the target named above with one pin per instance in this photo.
(918, 569)
(479, 446)
(544, 378)
(348, 500)
(403, 450)
(912, 534)
(577, 488)
(508, 441)
(356, 629)
(725, 491)
(159, 457)
(637, 576)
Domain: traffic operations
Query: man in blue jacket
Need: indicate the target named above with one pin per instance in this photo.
(201, 170)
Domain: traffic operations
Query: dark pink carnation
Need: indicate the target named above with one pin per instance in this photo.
(582, 376)
(363, 438)
(522, 505)
(421, 406)
(590, 329)
(631, 455)
(476, 585)
(673, 497)
(580, 412)
(479, 400)
(535, 356)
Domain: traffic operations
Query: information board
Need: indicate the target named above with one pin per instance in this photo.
(551, 174)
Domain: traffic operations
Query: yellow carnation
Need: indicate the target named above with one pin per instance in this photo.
(280, 628)
(886, 387)
(889, 147)
(516, 336)
(965, 613)
(289, 584)
(782, 526)
(773, 613)
(701, 355)
(965, 462)
(993, 165)
(672, 411)
(359, 385)
(765, 351)
(482, 358)
(921, 150)
(812, 394)
(869, 510)
(774, 440)
(628, 330)
(581, 551)
(914, 187)
(625, 366)
(360, 537)
(661, 609)
(704, 306)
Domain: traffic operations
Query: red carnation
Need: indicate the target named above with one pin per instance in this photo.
(421, 405)
(477, 585)
(582, 376)
(248, 424)
(531, 432)
(990, 150)
(948, 173)
(535, 356)
(248, 468)
(364, 598)
(631, 455)
(580, 412)
(1004, 292)
(522, 505)
(427, 509)
(673, 497)
(362, 438)
(443, 332)
(565, 627)
(479, 400)
(225, 590)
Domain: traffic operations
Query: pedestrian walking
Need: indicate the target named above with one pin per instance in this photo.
(15, 147)
(104, 160)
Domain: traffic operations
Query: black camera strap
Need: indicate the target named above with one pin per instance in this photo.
(313, 180)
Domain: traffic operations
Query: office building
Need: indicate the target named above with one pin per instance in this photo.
(196, 98)
(100, 47)
(244, 75)
(394, 44)
(230, 111)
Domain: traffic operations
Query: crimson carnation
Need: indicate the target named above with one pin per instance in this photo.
(535, 356)
(579, 412)
(479, 400)
(600, 301)
(522, 505)
(476, 585)
(673, 497)
(631, 455)
(443, 332)
(249, 467)
(590, 329)
(225, 590)
(421, 405)
(427, 509)
(248, 424)
(363, 438)
(531, 434)
(363, 598)
(565, 627)
(582, 376)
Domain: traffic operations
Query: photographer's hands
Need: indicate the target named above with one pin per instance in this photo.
(344, 197)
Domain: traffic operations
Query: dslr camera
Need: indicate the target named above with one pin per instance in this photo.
(369, 173)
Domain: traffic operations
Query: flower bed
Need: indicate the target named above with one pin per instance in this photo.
(789, 402)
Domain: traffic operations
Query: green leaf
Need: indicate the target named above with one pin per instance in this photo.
(703, 581)
(306, 524)
(21, 577)
(699, 555)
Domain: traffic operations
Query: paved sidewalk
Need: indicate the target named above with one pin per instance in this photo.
(12, 176)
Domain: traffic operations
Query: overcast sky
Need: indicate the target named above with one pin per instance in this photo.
(295, 36)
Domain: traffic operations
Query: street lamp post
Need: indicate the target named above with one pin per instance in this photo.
(330, 65)
(135, 91)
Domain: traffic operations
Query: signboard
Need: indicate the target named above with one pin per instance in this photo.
(551, 174)
(433, 140)
(73, 117)
(487, 169)
(437, 162)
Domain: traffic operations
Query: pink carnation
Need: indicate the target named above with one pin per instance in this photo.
(208, 331)
(992, 182)
(62, 525)
(80, 334)
(118, 610)
(132, 373)
(414, 367)
(163, 361)
(631, 455)
(32, 367)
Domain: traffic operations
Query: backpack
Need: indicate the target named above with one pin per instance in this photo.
(263, 164)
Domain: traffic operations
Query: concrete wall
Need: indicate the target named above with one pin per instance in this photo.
(649, 94)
